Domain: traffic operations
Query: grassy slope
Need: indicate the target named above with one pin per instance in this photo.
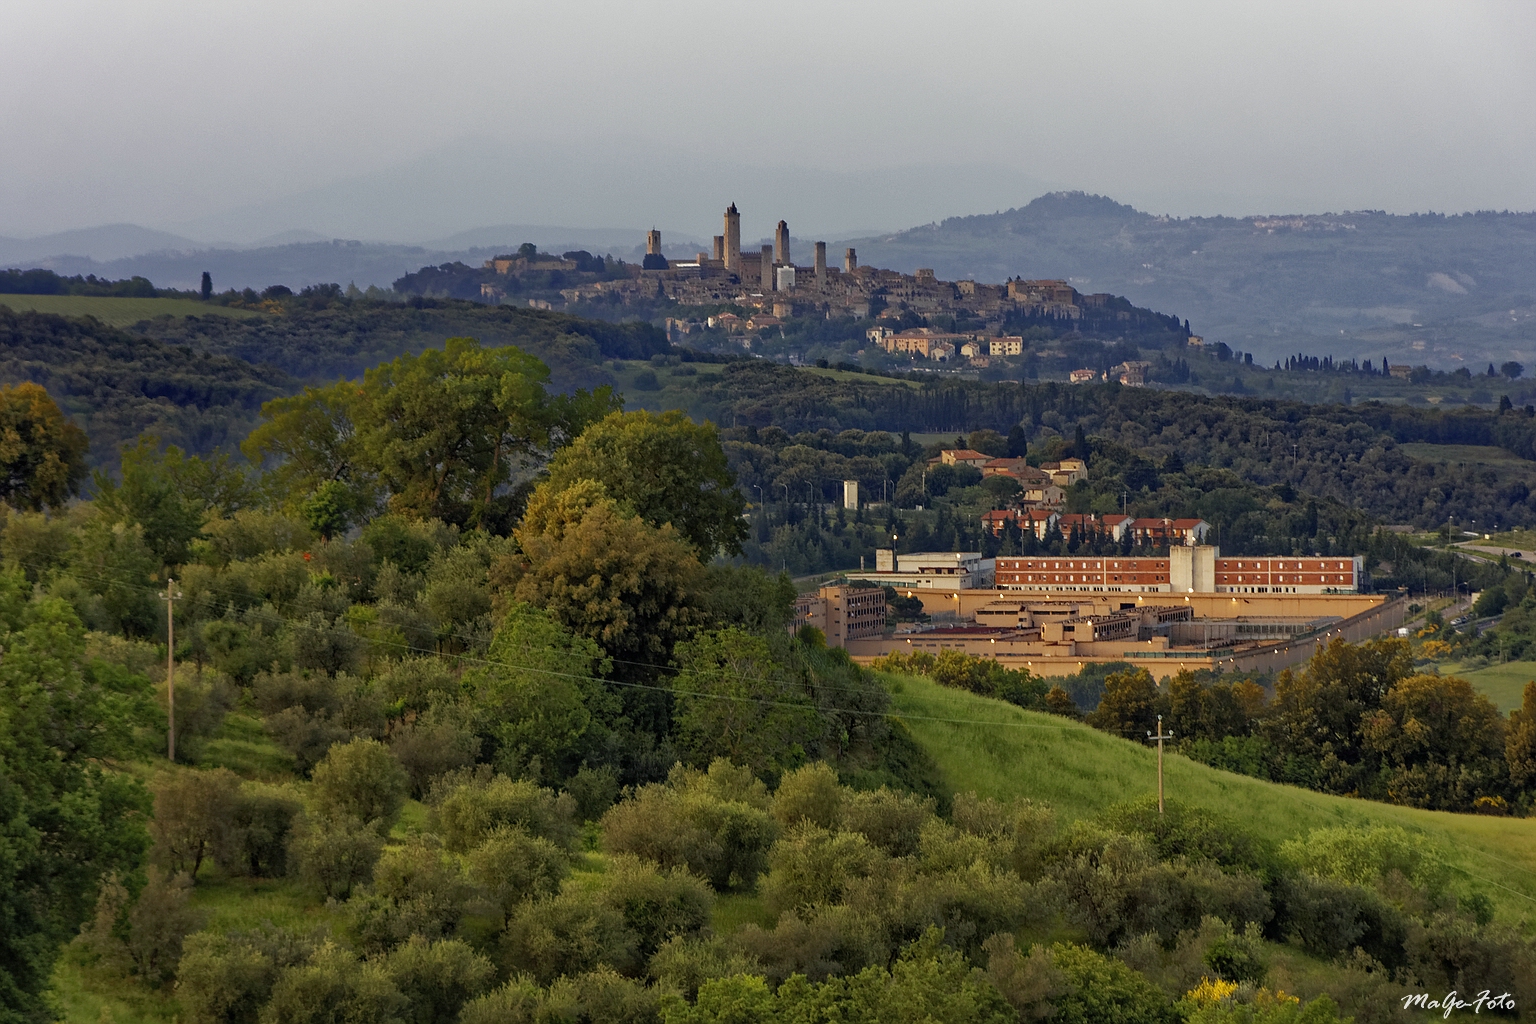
(117, 312)
(1504, 684)
(1001, 751)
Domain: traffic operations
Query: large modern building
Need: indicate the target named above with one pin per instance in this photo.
(930, 570)
(842, 613)
(1186, 570)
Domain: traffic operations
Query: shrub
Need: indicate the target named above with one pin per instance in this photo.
(260, 826)
(362, 780)
(437, 978)
(657, 905)
(715, 823)
(812, 867)
(594, 790)
(193, 820)
(809, 795)
(332, 985)
(225, 978)
(1099, 988)
(160, 920)
(437, 742)
(416, 890)
(467, 806)
(891, 821)
(569, 933)
(602, 995)
(511, 866)
(685, 962)
(334, 855)
(1367, 855)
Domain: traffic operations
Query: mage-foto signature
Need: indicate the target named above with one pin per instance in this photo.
(1452, 1001)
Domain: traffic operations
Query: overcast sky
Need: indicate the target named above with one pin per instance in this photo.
(240, 117)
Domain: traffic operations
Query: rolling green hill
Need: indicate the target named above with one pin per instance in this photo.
(1001, 751)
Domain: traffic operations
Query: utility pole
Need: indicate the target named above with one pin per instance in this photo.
(1160, 737)
(172, 595)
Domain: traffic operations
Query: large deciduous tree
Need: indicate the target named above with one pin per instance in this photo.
(42, 454)
(666, 469)
(66, 819)
(440, 435)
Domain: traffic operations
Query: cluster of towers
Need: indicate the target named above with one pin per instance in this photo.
(773, 262)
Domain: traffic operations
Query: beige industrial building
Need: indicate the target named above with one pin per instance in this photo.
(843, 613)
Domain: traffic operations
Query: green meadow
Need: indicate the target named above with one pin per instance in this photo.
(115, 311)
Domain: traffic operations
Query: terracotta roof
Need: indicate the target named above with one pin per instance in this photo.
(965, 454)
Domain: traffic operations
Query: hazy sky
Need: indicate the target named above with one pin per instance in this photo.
(240, 117)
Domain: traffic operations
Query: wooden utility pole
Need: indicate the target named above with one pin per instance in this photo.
(1160, 738)
(172, 595)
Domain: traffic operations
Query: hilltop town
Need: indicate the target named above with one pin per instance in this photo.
(746, 295)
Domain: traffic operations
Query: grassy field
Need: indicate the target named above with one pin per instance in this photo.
(1523, 540)
(1504, 684)
(1470, 454)
(1001, 751)
(115, 311)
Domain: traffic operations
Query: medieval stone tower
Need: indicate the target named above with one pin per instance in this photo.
(653, 243)
(732, 238)
(781, 245)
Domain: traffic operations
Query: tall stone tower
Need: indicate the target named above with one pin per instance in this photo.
(821, 260)
(732, 238)
(767, 266)
(850, 261)
(781, 244)
(720, 247)
(653, 243)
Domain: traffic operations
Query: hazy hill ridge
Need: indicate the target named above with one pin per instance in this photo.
(1266, 283)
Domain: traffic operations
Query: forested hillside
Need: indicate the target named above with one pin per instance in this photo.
(476, 719)
(121, 384)
(1350, 456)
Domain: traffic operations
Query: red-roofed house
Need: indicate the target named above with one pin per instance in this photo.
(1190, 531)
(1038, 519)
(963, 457)
(1116, 525)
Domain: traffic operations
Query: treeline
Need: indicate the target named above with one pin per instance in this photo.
(47, 282)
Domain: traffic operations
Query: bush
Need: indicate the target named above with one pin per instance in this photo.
(194, 817)
(432, 744)
(1099, 988)
(510, 866)
(226, 978)
(891, 821)
(416, 891)
(437, 978)
(1329, 918)
(334, 855)
(566, 934)
(468, 806)
(809, 795)
(161, 918)
(361, 780)
(812, 867)
(259, 829)
(716, 824)
(332, 985)
(657, 905)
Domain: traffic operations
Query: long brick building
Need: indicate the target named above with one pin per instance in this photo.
(1188, 570)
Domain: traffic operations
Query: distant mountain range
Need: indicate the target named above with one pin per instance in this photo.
(1448, 291)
